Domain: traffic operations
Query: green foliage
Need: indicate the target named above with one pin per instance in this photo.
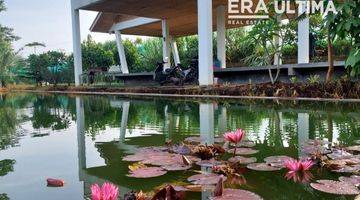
(52, 67)
(314, 79)
(95, 56)
(346, 24)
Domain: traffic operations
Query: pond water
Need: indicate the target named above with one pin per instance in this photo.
(82, 139)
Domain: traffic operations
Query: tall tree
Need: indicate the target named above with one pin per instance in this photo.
(343, 25)
(6, 52)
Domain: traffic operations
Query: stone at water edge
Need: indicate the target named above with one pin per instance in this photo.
(236, 194)
(148, 172)
(335, 187)
(262, 167)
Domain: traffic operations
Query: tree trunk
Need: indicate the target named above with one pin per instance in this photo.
(330, 60)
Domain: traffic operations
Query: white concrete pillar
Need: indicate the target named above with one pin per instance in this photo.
(76, 46)
(175, 51)
(303, 129)
(303, 36)
(122, 57)
(206, 75)
(166, 43)
(124, 120)
(80, 128)
(221, 35)
(207, 123)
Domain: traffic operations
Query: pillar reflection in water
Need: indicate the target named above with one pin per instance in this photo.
(207, 136)
(302, 130)
(80, 125)
(124, 120)
(207, 123)
(222, 120)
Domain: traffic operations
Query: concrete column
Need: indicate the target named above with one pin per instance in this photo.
(221, 35)
(76, 46)
(303, 36)
(124, 120)
(175, 51)
(207, 123)
(80, 128)
(166, 43)
(206, 75)
(302, 130)
(122, 57)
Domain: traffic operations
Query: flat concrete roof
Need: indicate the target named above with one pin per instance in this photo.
(181, 16)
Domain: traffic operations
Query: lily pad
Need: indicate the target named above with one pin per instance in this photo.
(205, 179)
(236, 194)
(208, 163)
(243, 151)
(339, 154)
(182, 150)
(354, 180)
(248, 144)
(197, 140)
(242, 160)
(176, 167)
(134, 158)
(277, 161)
(262, 167)
(353, 148)
(348, 169)
(335, 187)
(162, 160)
(148, 172)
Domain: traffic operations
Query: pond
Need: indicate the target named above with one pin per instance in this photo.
(83, 139)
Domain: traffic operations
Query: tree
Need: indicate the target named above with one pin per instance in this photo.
(6, 51)
(34, 45)
(95, 56)
(345, 24)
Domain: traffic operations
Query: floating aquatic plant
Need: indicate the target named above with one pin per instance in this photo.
(108, 191)
(299, 177)
(335, 187)
(147, 172)
(234, 137)
(297, 165)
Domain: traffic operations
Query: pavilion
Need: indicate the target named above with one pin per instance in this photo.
(168, 19)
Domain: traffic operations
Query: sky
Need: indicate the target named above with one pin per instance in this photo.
(47, 21)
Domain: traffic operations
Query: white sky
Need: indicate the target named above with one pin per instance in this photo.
(47, 21)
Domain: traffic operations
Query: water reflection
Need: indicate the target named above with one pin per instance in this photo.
(107, 128)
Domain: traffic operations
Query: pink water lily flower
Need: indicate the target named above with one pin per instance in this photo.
(297, 165)
(234, 137)
(108, 191)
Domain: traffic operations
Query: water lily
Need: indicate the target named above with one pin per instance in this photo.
(235, 137)
(108, 191)
(297, 165)
(299, 177)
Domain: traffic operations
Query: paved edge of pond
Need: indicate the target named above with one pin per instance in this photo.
(192, 96)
